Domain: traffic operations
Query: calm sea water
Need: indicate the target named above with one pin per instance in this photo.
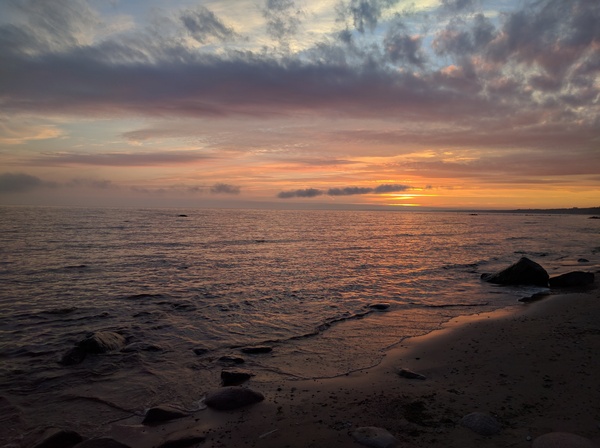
(299, 281)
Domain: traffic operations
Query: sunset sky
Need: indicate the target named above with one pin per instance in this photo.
(300, 103)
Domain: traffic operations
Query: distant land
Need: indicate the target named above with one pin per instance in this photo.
(555, 211)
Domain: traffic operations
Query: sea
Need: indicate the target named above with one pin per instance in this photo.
(328, 291)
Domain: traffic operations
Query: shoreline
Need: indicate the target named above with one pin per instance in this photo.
(533, 368)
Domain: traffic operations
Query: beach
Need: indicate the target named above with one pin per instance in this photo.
(535, 371)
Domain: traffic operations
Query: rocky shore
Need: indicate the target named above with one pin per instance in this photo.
(528, 379)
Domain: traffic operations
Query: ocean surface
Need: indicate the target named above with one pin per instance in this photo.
(173, 281)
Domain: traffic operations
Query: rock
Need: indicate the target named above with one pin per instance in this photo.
(102, 342)
(182, 439)
(583, 260)
(379, 306)
(101, 442)
(594, 217)
(232, 397)
(200, 351)
(160, 414)
(562, 440)
(535, 297)
(234, 377)
(374, 437)
(523, 272)
(572, 280)
(257, 349)
(406, 373)
(232, 358)
(481, 423)
(74, 356)
(58, 438)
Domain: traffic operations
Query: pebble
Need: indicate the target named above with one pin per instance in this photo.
(232, 397)
(374, 437)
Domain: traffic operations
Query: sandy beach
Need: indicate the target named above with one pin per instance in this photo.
(535, 371)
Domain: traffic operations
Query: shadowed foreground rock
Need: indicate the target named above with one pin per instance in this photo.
(232, 397)
(57, 437)
(523, 272)
(481, 423)
(374, 437)
(572, 280)
(161, 414)
(562, 440)
(101, 442)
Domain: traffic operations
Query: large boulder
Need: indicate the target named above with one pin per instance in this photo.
(523, 272)
(58, 437)
(572, 280)
(232, 397)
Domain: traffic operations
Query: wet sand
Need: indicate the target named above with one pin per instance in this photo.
(536, 371)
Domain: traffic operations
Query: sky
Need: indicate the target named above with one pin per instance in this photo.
(300, 103)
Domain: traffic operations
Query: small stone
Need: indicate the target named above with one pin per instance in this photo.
(182, 440)
(562, 440)
(102, 342)
(481, 423)
(374, 437)
(234, 377)
(379, 306)
(232, 397)
(161, 414)
(200, 351)
(257, 349)
(406, 373)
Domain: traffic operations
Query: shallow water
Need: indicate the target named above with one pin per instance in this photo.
(299, 281)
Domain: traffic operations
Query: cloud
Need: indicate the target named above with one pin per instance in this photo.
(343, 191)
(221, 188)
(283, 19)
(402, 47)
(19, 183)
(203, 25)
(120, 159)
(302, 193)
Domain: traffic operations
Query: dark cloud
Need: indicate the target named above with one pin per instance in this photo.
(458, 5)
(343, 191)
(303, 193)
(19, 182)
(365, 14)
(203, 25)
(119, 159)
(402, 47)
(283, 19)
(221, 188)
(463, 37)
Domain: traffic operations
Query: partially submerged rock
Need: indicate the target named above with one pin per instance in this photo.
(481, 423)
(523, 272)
(379, 306)
(102, 342)
(232, 397)
(232, 358)
(162, 413)
(374, 437)
(572, 280)
(257, 349)
(562, 440)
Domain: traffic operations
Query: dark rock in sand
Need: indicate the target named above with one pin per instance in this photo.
(56, 437)
(562, 440)
(201, 351)
(160, 414)
(374, 437)
(583, 260)
(406, 373)
(234, 377)
(73, 356)
(572, 280)
(379, 306)
(183, 216)
(523, 272)
(232, 397)
(481, 423)
(232, 358)
(257, 349)
(102, 342)
(101, 442)
(594, 217)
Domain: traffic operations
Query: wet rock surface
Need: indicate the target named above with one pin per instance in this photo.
(232, 397)
(523, 272)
